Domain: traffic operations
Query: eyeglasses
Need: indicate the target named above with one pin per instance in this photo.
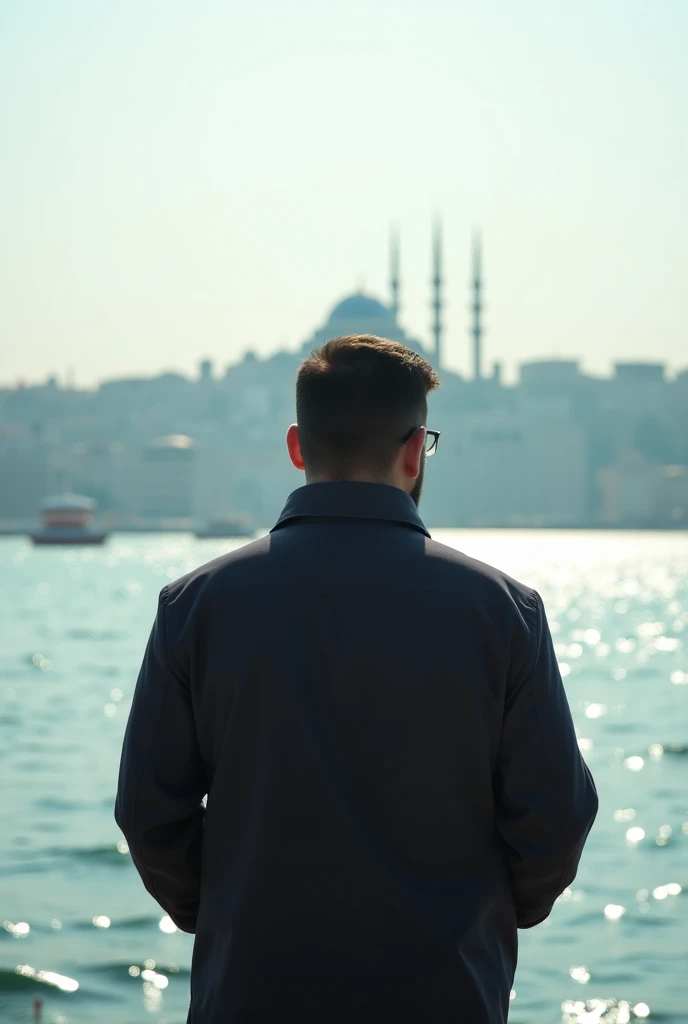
(431, 439)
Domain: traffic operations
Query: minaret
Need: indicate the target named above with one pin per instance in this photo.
(394, 271)
(436, 304)
(477, 307)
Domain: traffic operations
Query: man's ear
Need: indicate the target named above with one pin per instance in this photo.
(294, 447)
(413, 452)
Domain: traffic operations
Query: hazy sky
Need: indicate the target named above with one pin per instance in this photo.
(182, 179)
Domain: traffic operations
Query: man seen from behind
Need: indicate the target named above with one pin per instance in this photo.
(392, 775)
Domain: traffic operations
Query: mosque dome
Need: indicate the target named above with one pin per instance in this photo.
(359, 307)
(361, 314)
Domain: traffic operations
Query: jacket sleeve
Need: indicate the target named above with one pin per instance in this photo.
(162, 783)
(545, 796)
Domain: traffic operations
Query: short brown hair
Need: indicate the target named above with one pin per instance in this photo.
(355, 399)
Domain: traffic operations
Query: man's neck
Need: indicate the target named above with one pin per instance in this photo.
(352, 478)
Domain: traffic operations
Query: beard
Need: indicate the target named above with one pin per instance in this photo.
(420, 479)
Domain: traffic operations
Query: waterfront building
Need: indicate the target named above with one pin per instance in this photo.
(167, 478)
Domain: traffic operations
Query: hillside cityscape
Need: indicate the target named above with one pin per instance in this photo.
(558, 448)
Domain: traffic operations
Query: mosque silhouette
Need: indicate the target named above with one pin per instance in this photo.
(363, 314)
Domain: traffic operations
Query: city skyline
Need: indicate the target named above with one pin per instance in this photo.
(187, 181)
(434, 345)
(559, 448)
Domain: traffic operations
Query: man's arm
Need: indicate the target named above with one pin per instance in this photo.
(162, 783)
(545, 797)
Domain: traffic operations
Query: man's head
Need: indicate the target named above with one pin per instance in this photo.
(357, 398)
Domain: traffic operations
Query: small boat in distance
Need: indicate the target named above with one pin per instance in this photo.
(67, 520)
(227, 527)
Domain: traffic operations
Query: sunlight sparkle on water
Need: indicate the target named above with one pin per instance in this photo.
(635, 834)
(596, 1011)
(152, 997)
(650, 629)
(159, 980)
(614, 911)
(663, 837)
(624, 645)
(671, 889)
(667, 643)
(60, 981)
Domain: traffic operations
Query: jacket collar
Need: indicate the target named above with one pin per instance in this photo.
(351, 500)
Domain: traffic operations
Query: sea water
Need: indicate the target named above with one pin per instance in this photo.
(81, 933)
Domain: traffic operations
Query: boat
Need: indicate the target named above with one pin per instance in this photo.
(67, 520)
(227, 527)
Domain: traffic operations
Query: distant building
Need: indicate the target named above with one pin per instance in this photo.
(94, 470)
(214, 474)
(231, 479)
(629, 491)
(27, 474)
(641, 493)
(520, 468)
(24, 480)
(550, 377)
(636, 388)
(673, 496)
(167, 478)
(678, 416)
(555, 469)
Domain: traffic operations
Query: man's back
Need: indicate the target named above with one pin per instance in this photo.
(393, 778)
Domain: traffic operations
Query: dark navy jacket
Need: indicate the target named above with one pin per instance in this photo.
(393, 779)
